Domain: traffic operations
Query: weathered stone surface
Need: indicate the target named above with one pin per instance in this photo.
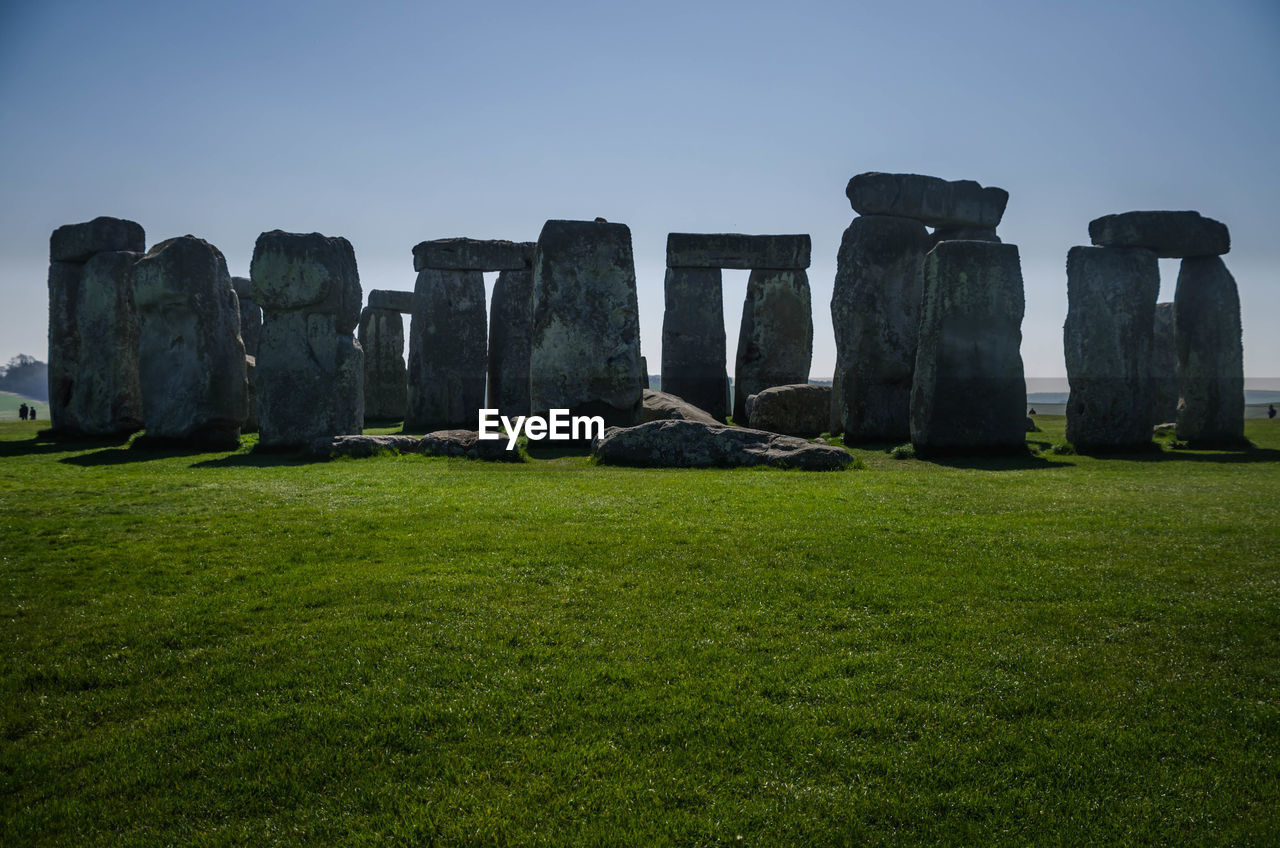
(775, 341)
(468, 444)
(93, 347)
(735, 250)
(1164, 366)
(697, 444)
(191, 359)
(969, 393)
(1111, 302)
(464, 254)
(448, 358)
(930, 200)
(797, 410)
(308, 272)
(875, 311)
(381, 337)
(79, 242)
(250, 315)
(963, 234)
(310, 370)
(1210, 353)
(251, 419)
(662, 406)
(363, 447)
(400, 301)
(693, 339)
(585, 355)
(510, 342)
(1170, 235)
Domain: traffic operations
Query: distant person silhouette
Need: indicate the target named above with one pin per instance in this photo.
(1033, 411)
(22, 412)
(1271, 410)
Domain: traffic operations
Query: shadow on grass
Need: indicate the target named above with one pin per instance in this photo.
(1239, 453)
(998, 462)
(259, 458)
(50, 444)
(126, 455)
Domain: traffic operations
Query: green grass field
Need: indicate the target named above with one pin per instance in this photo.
(9, 404)
(231, 649)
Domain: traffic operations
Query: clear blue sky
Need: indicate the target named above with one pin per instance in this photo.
(390, 123)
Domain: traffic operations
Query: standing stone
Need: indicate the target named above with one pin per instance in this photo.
(310, 369)
(447, 351)
(191, 358)
(510, 335)
(382, 340)
(969, 392)
(585, 354)
(693, 339)
(775, 342)
(875, 309)
(1164, 366)
(1111, 302)
(250, 316)
(93, 328)
(1210, 353)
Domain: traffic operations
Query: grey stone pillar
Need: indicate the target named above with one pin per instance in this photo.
(775, 341)
(191, 358)
(93, 328)
(381, 336)
(1164, 366)
(969, 391)
(585, 354)
(510, 341)
(447, 351)
(693, 339)
(875, 310)
(310, 369)
(1111, 303)
(1210, 353)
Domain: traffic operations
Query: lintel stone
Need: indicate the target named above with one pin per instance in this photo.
(464, 254)
(737, 251)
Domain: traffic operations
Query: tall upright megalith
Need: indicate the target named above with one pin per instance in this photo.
(877, 297)
(693, 335)
(1210, 353)
(775, 339)
(310, 369)
(585, 352)
(93, 328)
(1107, 338)
(510, 341)
(250, 315)
(448, 344)
(381, 337)
(1164, 366)
(969, 391)
(875, 311)
(191, 357)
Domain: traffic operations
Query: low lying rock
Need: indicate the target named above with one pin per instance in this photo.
(796, 410)
(461, 443)
(1170, 235)
(661, 406)
(696, 444)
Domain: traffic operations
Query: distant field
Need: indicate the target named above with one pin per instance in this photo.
(235, 649)
(10, 402)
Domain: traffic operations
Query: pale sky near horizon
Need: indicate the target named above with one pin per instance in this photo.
(391, 123)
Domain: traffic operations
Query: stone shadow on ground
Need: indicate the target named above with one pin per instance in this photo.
(51, 444)
(996, 462)
(126, 455)
(1239, 453)
(262, 459)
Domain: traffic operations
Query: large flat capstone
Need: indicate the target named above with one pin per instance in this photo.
(932, 201)
(737, 251)
(400, 301)
(1170, 235)
(464, 254)
(79, 242)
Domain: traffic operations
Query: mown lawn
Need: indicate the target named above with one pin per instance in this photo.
(229, 649)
